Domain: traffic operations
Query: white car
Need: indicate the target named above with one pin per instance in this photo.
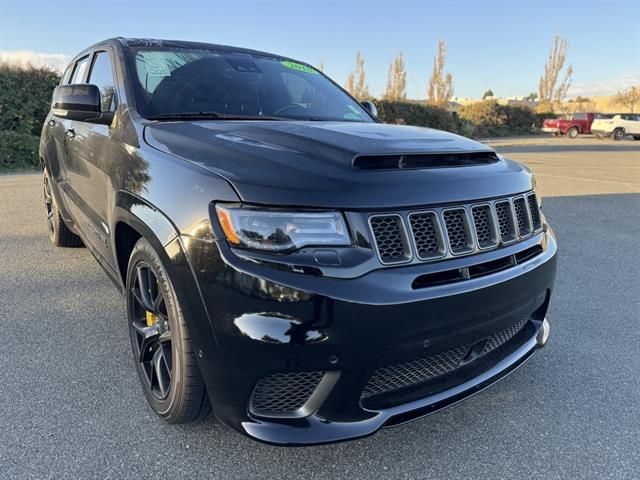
(617, 126)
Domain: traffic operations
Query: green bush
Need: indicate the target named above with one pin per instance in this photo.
(18, 150)
(490, 119)
(25, 98)
(408, 113)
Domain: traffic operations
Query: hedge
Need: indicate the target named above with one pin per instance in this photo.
(18, 151)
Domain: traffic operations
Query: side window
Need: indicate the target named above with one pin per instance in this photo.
(580, 116)
(80, 70)
(102, 76)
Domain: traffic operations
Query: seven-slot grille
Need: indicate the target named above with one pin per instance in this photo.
(452, 231)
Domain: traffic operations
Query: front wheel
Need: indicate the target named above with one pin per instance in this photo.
(618, 134)
(160, 340)
(573, 132)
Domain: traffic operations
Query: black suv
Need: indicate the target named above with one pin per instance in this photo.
(287, 260)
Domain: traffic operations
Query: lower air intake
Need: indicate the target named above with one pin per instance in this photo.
(283, 394)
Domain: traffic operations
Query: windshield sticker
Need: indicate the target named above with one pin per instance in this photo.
(299, 67)
(156, 64)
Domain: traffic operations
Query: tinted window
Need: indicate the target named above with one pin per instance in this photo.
(80, 70)
(175, 81)
(102, 76)
(579, 116)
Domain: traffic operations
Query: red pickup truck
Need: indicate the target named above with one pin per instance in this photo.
(572, 125)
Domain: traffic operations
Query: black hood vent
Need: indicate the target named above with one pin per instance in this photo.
(423, 160)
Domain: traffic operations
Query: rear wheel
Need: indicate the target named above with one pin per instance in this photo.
(636, 137)
(573, 132)
(161, 342)
(59, 233)
(618, 134)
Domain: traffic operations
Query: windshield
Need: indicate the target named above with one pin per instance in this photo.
(176, 81)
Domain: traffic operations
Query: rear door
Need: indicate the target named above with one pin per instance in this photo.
(88, 158)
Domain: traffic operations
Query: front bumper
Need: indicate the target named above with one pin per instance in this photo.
(266, 322)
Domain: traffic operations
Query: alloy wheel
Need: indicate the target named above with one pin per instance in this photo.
(150, 332)
(48, 203)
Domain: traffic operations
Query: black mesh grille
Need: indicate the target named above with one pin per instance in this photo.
(503, 336)
(455, 222)
(522, 217)
(415, 372)
(388, 234)
(505, 221)
(482, 222)
(423, 227)
(401, 375)
(535, 212)
(284, 393)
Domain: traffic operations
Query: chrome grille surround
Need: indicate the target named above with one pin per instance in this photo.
(452, 231)
(390, 237)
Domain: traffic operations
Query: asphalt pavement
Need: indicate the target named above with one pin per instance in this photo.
(71, 406)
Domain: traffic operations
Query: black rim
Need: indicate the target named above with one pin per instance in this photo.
(150, 330)
(48, 203)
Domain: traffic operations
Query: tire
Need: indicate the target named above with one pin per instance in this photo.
(557, 134)
(618, 134)
(572, 132)
(59, 233)
(636, 137)
(161, 343)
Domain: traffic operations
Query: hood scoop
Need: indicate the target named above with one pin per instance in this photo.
(423, 160)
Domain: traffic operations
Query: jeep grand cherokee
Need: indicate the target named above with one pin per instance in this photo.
(288, 261)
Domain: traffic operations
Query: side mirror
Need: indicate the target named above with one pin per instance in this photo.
(370, 107)
(79, 102)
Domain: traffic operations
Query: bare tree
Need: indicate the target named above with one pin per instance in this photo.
(550, 90)
(440, 85)
(397, 81)
(630, 98)
(357, 80)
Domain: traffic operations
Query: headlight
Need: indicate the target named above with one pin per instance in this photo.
(278, 231)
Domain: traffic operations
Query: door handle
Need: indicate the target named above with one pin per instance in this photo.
(70, 132)
(51, 123)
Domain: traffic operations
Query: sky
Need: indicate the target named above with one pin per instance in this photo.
(492, 44)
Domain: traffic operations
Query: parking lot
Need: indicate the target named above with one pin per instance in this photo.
(71, 406)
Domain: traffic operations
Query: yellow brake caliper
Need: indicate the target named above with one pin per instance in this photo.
(151, 319)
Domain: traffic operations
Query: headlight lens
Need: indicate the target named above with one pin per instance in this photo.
(278, 231)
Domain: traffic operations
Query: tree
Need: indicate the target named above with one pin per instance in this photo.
(630, 98)
(440, 85)
(397, 81)
(487, 94)
(532, 97)
(550, 91)
(357, 80)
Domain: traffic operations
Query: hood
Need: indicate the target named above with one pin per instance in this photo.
(312, 163)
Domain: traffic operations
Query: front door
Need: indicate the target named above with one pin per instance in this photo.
(88, 161)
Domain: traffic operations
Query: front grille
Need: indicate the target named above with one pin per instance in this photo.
(505, 221)
(391, 378)
(449, 231)
(391, 243)
(283, 393)
(424, 226)
(483, 223)
(458, 232)
(522, 217)
(534, 209)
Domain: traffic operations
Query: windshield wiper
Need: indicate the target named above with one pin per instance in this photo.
(210, 116)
